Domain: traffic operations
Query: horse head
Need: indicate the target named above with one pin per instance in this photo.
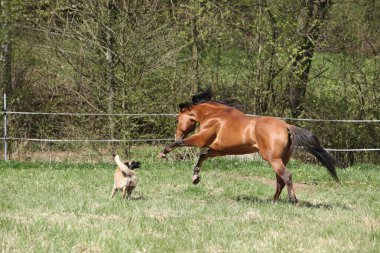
(186, 118)
(186, 121)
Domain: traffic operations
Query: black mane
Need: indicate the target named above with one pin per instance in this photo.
(202, 97)
(205, 96)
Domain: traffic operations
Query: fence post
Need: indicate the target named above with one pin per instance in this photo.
(5, 128)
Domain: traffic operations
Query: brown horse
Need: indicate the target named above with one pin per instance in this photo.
(225, 130)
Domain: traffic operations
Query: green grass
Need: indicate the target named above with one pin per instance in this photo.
(62, 207)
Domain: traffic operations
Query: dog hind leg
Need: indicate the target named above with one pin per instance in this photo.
(129, 190)
(124, 191)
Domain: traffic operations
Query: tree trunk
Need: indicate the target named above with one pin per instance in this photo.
(110, 57)
(270, 95)
(6, 49)
(195, 55)
(310, 20)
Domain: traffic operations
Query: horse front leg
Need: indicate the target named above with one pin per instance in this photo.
(169, 148)
(201, 139)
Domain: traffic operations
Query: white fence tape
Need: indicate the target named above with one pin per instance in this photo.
(352, 150)
(88, 140)
(167, 139)
(174, 114)
(164, 140)
(329, 120)
(92, 114)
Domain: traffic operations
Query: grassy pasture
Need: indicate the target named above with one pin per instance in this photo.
(66, 207)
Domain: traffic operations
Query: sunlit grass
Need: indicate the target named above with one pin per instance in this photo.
(62, 207)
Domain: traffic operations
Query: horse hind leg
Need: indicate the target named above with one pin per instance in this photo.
(280, 183)
(197, 168)
(283, 173)
(202, 157)
(279, 186)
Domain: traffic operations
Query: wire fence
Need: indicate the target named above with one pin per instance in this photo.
(160, 139)
(173, 115)
(7, 138)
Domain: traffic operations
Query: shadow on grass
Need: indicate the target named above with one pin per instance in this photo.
(252, 199)
(328, 206)
(302, 204)
(131, 198)
(137, 198)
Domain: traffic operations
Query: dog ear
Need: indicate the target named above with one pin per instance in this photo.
(133, 165)
(128, 164)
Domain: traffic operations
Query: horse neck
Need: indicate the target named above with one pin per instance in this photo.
(205, 110)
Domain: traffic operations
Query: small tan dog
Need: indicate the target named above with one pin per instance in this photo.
(125, 178)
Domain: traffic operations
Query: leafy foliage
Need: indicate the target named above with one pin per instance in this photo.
(315, 59)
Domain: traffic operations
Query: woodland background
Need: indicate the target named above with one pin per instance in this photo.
(302, 59)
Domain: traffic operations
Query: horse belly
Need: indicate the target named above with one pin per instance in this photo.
(240, 150)
(236, 137)
(236, 146)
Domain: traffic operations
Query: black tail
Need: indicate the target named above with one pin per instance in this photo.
(306, 139)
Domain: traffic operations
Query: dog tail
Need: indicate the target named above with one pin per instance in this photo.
(122, 166)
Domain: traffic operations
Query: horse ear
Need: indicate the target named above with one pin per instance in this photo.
(183, 106)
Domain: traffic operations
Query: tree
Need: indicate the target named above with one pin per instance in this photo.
(310, 19)
(282, 58)
(6, 48)
(109, 47)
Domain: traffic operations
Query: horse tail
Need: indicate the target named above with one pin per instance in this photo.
(306, 139)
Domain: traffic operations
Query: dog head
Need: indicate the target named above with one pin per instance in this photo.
(132, 164)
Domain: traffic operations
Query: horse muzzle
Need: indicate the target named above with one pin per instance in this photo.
(178, 138)
(179, 135)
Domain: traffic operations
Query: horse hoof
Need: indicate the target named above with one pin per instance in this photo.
(294, 201)
(196, 179)
(161, 155)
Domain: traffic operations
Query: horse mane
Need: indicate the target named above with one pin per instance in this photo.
(205, 96)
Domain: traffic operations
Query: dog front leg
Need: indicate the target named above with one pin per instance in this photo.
(113, 192)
